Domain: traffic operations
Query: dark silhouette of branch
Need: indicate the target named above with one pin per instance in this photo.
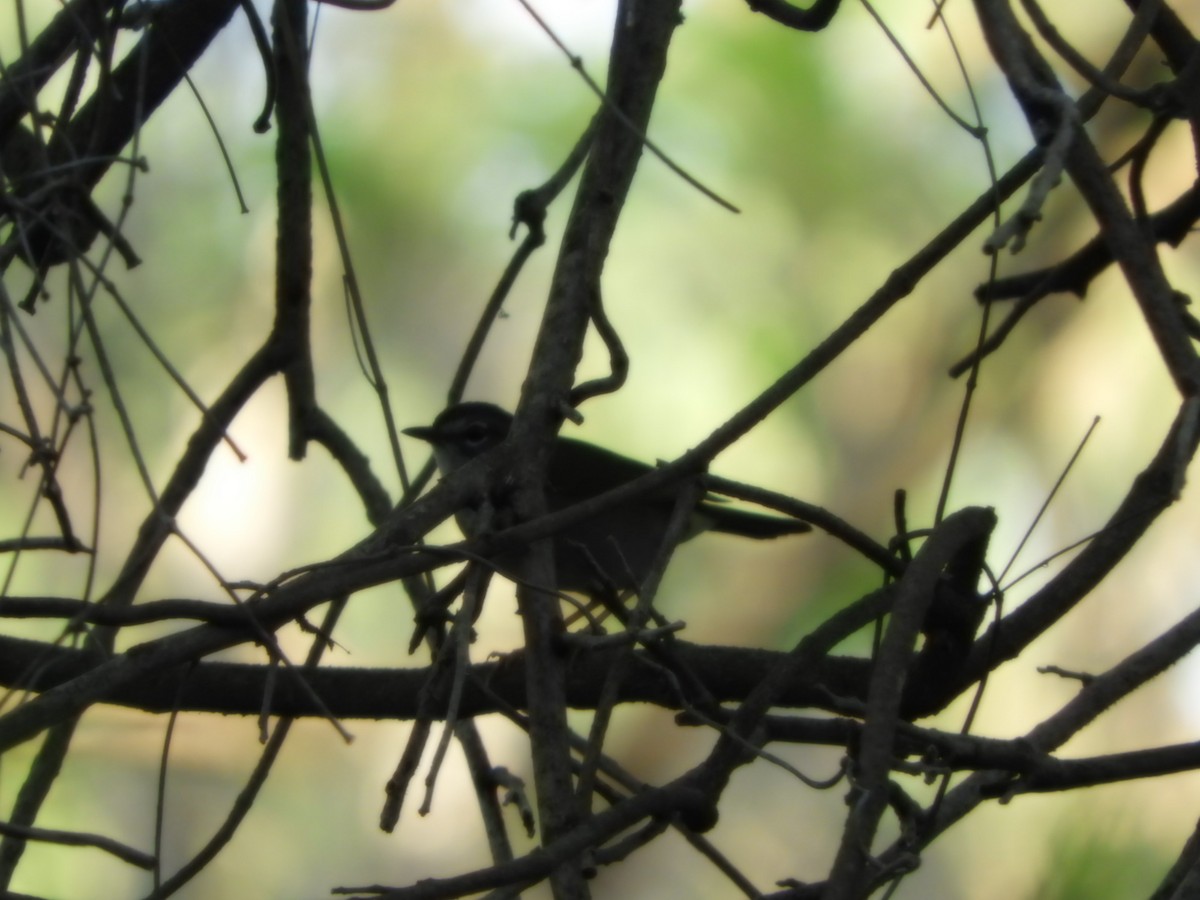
(71, 106)
(815, 18)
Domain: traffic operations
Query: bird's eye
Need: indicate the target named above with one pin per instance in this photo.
(475, 435)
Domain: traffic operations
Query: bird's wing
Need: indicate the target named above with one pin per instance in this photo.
(601, 470)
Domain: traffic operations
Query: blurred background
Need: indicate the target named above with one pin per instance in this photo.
(434, 115)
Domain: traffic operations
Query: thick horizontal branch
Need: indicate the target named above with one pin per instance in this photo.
(728, 673)
(1052, 774)
(81, 611)
(1035, 770)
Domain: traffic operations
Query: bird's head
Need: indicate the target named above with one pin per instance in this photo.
(462, 432)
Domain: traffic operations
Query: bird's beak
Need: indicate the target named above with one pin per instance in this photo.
(420, 432)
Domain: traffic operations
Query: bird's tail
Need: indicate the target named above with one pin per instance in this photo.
(748, 524)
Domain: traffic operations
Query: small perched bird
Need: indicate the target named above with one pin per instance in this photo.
(616, 547)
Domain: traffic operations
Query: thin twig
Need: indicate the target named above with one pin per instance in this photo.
(577, 64)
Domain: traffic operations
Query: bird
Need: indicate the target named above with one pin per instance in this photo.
(613, 549)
